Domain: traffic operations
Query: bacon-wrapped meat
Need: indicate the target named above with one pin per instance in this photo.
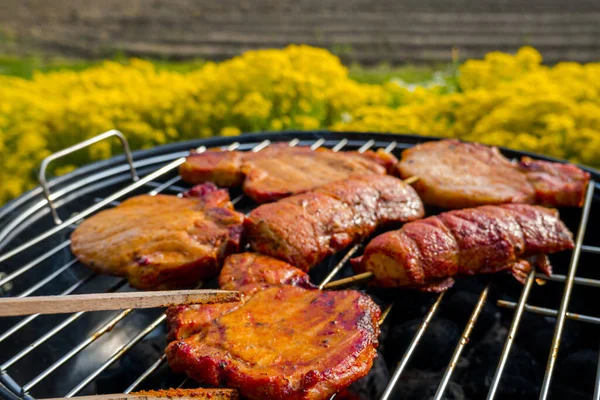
(304, 229)
(426, 254)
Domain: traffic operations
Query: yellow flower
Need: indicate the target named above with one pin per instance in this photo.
(508, 100)
(230, 131)
(305, 122)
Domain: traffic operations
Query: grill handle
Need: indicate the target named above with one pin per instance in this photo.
(74, 148)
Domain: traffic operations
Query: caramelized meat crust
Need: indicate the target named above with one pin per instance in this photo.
(279, 170)
(426, 254)
(317, 343)
(245, 272)
(250, 272)
(453, 175)
(161, 242)
(305, 228)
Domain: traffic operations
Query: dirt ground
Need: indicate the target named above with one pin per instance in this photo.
(368, 31)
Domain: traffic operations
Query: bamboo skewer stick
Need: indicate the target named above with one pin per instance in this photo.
(385, 314)
(411, 180)
(171, 394)
(344, 282)
(111, 301)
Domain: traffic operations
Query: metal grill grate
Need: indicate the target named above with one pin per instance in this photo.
(158, 172)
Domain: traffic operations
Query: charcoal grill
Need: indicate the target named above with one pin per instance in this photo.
(108, 352)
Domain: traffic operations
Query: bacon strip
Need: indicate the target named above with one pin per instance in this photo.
(426, 254)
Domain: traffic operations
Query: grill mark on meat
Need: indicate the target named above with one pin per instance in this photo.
(465, 242)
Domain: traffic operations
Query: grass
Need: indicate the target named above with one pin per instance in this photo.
(384, 72)
(25, 67)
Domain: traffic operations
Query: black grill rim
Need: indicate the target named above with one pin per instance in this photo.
(35, 194)
(15, 206)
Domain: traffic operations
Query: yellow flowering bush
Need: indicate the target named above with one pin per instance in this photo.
(506, 100)
(510, 100)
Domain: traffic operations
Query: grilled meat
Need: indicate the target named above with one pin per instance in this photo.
(316, 343)
(245, 272)
(426, 254)
(454, 174)
(161, 242)
(279, 170)
(251, 272)
(305, 228)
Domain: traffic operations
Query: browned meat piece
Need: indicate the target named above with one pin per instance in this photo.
(186, 320)
(454, 174)
(245, 272)
(279, 170)
(426, 254)
(251, 272)
(314, 344)
(306, 228)
(161, 242)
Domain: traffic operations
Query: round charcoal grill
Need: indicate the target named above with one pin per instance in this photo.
(488, 337)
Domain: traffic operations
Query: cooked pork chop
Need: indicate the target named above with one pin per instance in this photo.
(161, 242)
(280, 170)
(454, 174)
(245, 272)
(305, 228)
(285, 342)
(426, 254)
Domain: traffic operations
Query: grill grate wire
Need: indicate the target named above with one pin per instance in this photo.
(149, 180)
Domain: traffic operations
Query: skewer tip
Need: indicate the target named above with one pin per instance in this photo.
(411, 180)
(359, 278)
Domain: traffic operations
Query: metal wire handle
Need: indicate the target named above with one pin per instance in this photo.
(74, 148)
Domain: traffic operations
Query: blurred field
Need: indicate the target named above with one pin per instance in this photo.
(364, 31)
(25, 67)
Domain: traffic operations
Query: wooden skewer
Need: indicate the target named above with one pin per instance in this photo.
(171, 394)
(385, 314)
(358, 278)
(111, 301)
(411, 180)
